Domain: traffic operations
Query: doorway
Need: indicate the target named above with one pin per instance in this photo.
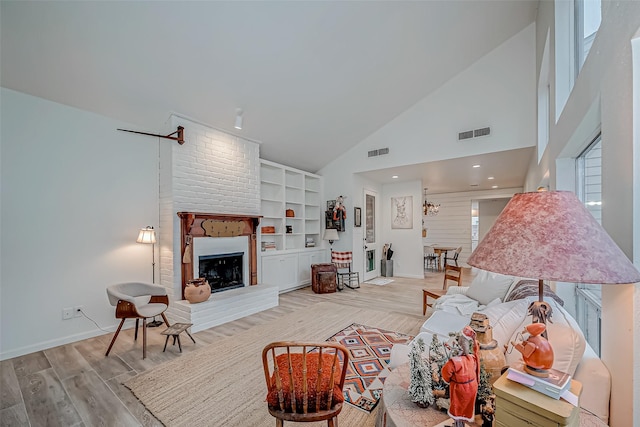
(371, 247)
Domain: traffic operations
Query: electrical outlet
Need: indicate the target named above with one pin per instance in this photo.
(77, 310)
(67, 313)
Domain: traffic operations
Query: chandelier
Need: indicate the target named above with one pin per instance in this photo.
(429, 208)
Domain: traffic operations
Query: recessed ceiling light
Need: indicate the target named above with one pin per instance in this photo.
(394, 176)
(476, 166)
(491, 177)
(494, 186)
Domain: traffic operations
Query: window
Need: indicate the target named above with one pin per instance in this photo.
(576, 24)
(589, 190)
(587, 21)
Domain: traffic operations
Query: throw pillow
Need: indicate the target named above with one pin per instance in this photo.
(487, 286)
(529, 288)
(282, 361)
(563, 333)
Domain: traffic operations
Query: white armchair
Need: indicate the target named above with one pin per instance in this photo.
(136, 300)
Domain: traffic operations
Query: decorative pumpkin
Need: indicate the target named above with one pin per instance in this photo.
(197, 290)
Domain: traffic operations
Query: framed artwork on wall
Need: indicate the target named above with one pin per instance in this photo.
(357, 217)
(402, 212)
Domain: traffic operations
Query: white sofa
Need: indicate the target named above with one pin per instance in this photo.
(486, 295)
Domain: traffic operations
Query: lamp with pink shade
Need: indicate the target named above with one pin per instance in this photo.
(550, 235)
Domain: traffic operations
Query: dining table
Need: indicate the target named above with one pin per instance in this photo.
(439, 250)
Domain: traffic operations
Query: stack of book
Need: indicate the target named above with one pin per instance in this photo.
(310, 243)
(268, 246)
(553, 386)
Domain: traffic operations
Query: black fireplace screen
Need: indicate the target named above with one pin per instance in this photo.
(222, 271)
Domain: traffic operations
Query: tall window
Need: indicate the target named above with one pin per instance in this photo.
(587, 21)
(589, 190)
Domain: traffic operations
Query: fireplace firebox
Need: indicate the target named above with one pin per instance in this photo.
(222, 271)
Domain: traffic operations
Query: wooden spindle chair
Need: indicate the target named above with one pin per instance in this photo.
(292, 369)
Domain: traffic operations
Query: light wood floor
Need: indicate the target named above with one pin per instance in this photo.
(76, 385)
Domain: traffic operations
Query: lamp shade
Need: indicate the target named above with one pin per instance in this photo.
(550, 235)
(146, 235)
(330, 234)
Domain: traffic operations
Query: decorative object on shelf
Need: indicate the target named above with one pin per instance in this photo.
(217, 228)
(179, 137)
(550, 235)
(290, 213)
(357, 217)
(402, 212)
(197, 290)
(491, 355)
(339, 210)
(429, 208)
(268, 229)
(289, 229)
(331, 235)
(420, 389)
(188, 251)
(148, 235)
(462, 372)
(330, 214)
(536, 351)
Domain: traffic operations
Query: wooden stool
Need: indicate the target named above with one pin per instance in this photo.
(433, 293)
(174, 331)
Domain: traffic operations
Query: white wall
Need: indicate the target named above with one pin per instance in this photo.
(452, 226)
(498, 90)
(406, 243)
(603, 97)
(75, 192)
(488, 212)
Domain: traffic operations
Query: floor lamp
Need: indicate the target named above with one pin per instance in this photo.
(148, 235)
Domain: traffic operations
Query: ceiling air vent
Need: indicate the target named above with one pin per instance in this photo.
(378, 152)
(465, 135)
(481, 132)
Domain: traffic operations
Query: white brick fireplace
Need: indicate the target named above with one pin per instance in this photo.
(212, 173)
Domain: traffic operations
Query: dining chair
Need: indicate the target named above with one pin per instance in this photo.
(305, 380)
(454, 257)
(430, 258)
(137, 300)
(452, 273)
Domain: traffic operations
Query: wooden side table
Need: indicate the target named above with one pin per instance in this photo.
(518, 405)
(174, 331)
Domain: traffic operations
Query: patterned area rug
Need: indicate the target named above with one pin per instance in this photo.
(369, 350)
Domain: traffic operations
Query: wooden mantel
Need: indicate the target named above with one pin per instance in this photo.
(195, 224)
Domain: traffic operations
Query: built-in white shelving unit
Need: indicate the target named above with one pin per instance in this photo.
(287, 253)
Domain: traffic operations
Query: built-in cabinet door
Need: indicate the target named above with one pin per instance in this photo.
(280, 270)
(305, 261)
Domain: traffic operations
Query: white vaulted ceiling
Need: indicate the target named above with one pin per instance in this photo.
(313, 78)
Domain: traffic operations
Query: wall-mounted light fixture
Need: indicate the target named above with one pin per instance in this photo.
(238, 124)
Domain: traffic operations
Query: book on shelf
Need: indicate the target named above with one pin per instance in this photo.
(553, 386)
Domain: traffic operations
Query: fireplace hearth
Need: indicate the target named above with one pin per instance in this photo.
(222, 271)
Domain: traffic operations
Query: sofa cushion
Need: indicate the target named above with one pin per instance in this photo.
(487, 286)
(563, 332)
